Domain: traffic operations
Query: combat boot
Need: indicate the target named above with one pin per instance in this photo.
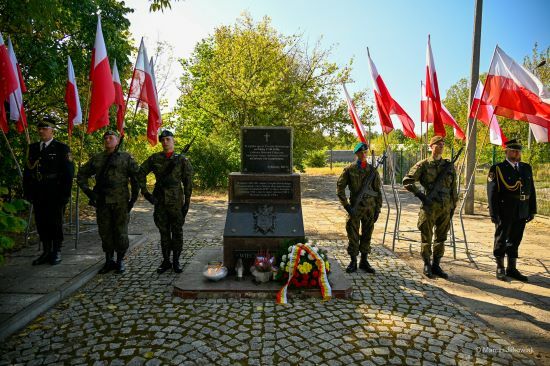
(365, 265)
(501, 273)
(352, 265)
(120, 267)
(428, 268)
(165, 265)
(176, 262)
(110, 264)
(436, 269)
(55, 257)
(512, 271)
(45, 256)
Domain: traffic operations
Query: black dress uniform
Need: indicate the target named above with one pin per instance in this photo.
(47, 185)
(512, 203)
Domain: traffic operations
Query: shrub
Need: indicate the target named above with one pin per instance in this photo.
(9, 222)
(316, 159)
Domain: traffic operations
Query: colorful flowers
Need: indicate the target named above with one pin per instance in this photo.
(306, 264)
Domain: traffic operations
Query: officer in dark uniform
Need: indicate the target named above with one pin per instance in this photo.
(171, 197)
(47, 182)
(512, 203)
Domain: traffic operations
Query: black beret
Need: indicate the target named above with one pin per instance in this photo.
(165, 133)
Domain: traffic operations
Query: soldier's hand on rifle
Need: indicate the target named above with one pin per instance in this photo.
(349, 209)
(149, 197)
(425, 200)
(92, 196)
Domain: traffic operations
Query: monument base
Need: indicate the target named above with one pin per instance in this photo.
(191, 284)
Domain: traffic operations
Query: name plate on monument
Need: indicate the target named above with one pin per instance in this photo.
(250, 189)
(266, 150)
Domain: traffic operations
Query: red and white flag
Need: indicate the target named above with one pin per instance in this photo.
(72, 99)
(119, 100)
(359, 128)
(103, 91)
(515, 92)
(8, 82)
(427, 115)
(387, 106)
(142, 88)
(486, 114)
(433, 99)
(154, 117)
(541, 134)
(17, 111)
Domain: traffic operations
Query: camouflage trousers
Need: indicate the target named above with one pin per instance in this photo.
(435, 218)
(112, 224)
(169, 221)
(362, 220)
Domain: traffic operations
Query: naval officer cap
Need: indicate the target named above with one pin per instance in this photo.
(48, 121)
(513, 145)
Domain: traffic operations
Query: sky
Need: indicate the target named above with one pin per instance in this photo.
(395, 31)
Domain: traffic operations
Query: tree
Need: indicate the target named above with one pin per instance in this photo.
(250, 75)
(44, 34)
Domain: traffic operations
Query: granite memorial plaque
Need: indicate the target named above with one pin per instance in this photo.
(266, 150)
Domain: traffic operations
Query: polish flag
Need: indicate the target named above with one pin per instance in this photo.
(427, 115)
(542, 134)
(486, 114)
(103, 90)
(8, 82)
(387, 106)
(72, 99)
(119, 101)
(154, 118)
(17, 111)
(432, 93)
(137, 85)
(359, 128)
(515, 92)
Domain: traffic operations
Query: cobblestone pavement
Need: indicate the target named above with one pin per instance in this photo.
(394, 317)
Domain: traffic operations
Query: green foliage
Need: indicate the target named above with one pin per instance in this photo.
(9, 221)
(213, 160)
(316, 158)
(250, 75)
(160, 5)
(44, 33)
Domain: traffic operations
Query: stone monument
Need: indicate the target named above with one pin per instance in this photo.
(264, 198)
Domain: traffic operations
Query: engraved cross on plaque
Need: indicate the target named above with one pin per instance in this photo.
(266, 137)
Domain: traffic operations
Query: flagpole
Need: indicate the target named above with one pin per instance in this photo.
(12, 153)
(130, 88)
(421, 118)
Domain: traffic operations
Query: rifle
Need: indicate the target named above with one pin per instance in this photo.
(366, 190)
(435, 192)
(100, 178)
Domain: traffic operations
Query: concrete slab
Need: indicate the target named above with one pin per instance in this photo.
(191, 283)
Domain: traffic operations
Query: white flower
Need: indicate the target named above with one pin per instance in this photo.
(290, 249)
(309, 257)
(282, 265)
(303, 252)
(283, 259)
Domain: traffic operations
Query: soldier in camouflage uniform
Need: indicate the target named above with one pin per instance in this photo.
(367, 210)
(113, 170)
(437, 212)
(47, 183)
(170, 199)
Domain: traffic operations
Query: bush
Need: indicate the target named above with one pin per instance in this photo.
(9, 222)
(212, 160)
(316, 159)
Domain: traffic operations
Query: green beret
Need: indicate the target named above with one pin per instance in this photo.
(165, 133)
(436, 139)
(360, 146)
(111, 133)
(513, 145)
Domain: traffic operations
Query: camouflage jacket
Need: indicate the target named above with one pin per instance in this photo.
(354, 177)
(426, 172)
(114, 186)
(170, 173)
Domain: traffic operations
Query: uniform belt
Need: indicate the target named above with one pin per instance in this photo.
(523, 197)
